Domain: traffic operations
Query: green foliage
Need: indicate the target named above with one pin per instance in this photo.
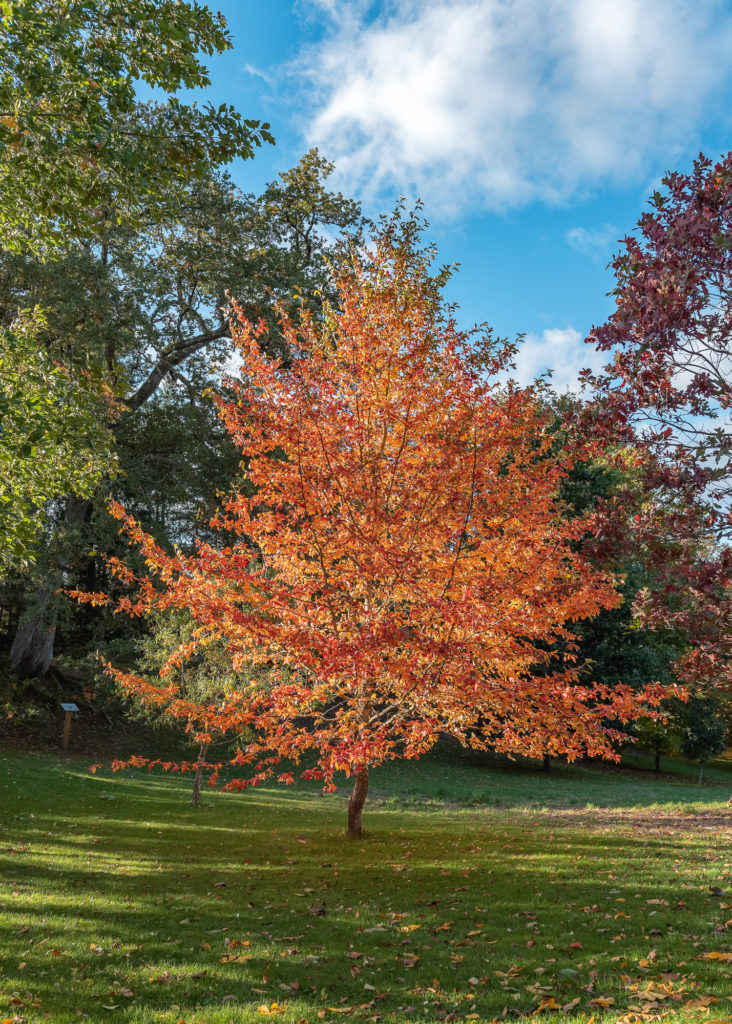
(612, 644)
(141, 308)
(661, 736)
(704, 730)
(616, 649)
(54, 435)
(206, 677)
(74, 154)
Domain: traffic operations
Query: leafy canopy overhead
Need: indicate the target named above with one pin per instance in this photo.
(402, 555)
(53, 435)
(73, 154)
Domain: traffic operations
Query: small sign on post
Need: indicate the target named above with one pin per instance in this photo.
(69, 710)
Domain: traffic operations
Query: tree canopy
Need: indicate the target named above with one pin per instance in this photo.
(74, 152)
(402, 549)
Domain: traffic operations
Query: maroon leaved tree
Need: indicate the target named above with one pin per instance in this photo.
(668, 392)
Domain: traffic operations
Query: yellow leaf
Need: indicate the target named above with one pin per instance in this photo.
(548, 1003)
(695, 1004)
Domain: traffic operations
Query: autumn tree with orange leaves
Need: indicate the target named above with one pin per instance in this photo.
(402, 563)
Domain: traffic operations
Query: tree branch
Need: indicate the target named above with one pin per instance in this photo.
(166, 363)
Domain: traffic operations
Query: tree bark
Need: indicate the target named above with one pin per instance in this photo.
(167, 362)
(701, 772)
(355, 804)
(196, 797)
(31, 651)
(546, 764)
(658, 762)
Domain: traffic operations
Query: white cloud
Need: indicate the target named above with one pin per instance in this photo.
(255, 72)
(597, 243)
(561, 350)
(501, 102)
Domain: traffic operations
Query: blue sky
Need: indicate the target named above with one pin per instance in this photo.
(533, 130)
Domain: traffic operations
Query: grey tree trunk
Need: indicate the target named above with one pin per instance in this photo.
(32, 649)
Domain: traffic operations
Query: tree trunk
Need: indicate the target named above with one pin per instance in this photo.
(31, 651)
(658, 762)
(701, 772)
(546, 764)
(196, 797)
(355, 804)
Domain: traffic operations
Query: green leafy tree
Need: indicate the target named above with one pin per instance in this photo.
(205, 679)
(661, 736)
(54, 435)
(81, 159)
(144, 309)
(704, 731)
(74, 155)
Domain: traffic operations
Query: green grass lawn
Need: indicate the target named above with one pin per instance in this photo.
(483, 891)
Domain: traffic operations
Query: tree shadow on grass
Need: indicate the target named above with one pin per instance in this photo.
(261, 898)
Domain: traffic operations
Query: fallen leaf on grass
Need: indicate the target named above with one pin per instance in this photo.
(234, 958)
(547, 1003)
(700, 1003)
(602, 1001)
(725, 958)
(165, 978)
(272, 1008)
(513, 971)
